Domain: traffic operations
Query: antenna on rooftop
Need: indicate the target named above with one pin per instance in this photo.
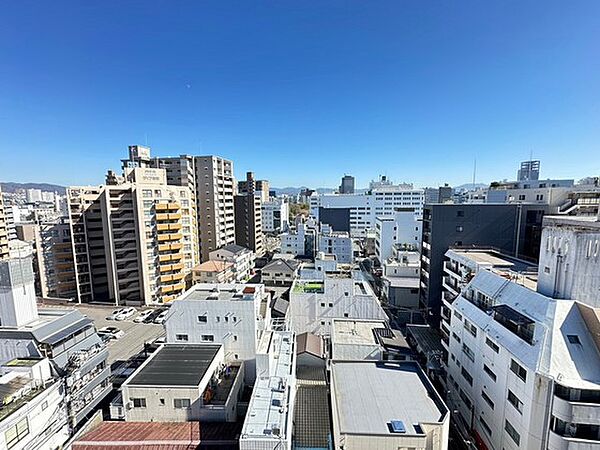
(474, 171)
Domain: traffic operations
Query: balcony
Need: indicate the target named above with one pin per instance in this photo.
(558, 442)
(169, 237)
(576, 412)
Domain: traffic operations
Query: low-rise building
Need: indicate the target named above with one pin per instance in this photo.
(280, 272)
(401, 228)
(269, 420)
(184, 382)
(213, 272)
(401, 280)
(315, 303)
(367, 339)
(386, 405)
(241, 258)
(233, 315)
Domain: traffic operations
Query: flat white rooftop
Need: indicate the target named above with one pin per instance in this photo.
(358, 332)
(368, 395)
(225, 291)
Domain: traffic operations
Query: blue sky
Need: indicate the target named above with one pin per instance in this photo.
(302, 92)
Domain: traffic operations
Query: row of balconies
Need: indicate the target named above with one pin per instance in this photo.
(169, 247)
(170, 257)
(172, 288)
(168, 216)
(167, 206)
(171, 268)
(170, 237)
(168, 226)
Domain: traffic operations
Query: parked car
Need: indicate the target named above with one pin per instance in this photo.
(125, 313)
(155, 313)
(113, 332)
(161, 317)
(141, 317)
(114, 314)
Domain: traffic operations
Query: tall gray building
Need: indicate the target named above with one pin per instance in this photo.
(347, 186)
(248, 214)
(529, 171)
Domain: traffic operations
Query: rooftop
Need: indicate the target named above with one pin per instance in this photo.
(583, 222)
(224, 291)
(368, 395)
(311, 413)
(356, 332)
(213, 266)
(176, 365)
(287, 265)
(158, 435)
(234, 248)
(269, 406)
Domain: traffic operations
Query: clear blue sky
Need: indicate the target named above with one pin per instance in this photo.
(301, 92)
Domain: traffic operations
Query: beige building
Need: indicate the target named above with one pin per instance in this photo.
(213, 272)
(210, 179)
(3, 230)
(134, 239)
(53, 257)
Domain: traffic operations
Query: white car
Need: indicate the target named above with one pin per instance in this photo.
(125, 313)
(114, 314)
(161, 317)
(143, 316)
(112, 332)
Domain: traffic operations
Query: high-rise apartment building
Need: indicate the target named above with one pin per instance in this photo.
(3, 230)
(210, 180)
(513, 228)
(248, 215)
(253, 186)
(133, 239)
(248, 222)
(347, 185)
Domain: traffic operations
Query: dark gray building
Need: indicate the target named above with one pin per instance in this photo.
(347, 186)
(514, 229)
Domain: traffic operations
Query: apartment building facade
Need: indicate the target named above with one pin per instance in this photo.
(523, 369)
(210, 178)
(248, 222)
(3, 230)
(514, 229)
(134, 239)
(275, 215)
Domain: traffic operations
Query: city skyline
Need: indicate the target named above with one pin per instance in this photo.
(415, 92)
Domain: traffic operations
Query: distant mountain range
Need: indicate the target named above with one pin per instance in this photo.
(290, 190)
(13, 187)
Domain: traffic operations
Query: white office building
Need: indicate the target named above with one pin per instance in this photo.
(233, 315)
(356, 213)
(402, 228)
(275, 215)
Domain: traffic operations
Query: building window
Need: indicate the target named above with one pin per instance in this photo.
(202, 319)
(485, 426)
(491, 344)
(467, 376)
(573, 339)
(468, 352)
(518, 370)
(208, 338)
(161, 401)
(181, 403)
(489, 371)
(470, 328)
(460, 213)
(512, 432)
(459, 228)
(487, 399)
(181, 337)
(16, 433)
(139, 402)
(514, 400)
(44, 405)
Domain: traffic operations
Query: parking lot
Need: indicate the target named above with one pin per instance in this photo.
(135, 333)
